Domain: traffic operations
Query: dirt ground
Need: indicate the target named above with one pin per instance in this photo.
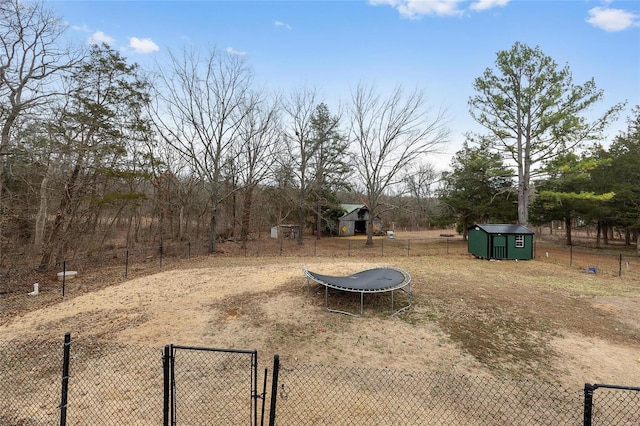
(531, 319)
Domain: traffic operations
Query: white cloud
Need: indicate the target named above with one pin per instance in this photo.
(280, 24)
(99, 37)
(435, 7)
(82, 28)
(230, 50)
(143, 45)
(612, 19)
(481, 5)
(415, 9)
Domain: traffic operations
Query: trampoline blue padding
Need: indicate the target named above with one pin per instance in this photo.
(375, 280)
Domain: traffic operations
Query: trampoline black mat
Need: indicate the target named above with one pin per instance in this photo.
(374, 280)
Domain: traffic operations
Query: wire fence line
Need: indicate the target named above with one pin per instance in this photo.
(593, 261)
(115, 384)
(130, 262)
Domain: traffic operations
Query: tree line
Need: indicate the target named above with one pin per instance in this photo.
(96, 150)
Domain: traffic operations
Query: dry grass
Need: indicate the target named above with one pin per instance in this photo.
(535, 319)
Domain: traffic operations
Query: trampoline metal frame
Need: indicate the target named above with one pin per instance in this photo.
(401, 286)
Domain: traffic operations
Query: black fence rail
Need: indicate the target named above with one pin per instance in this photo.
(80, 383)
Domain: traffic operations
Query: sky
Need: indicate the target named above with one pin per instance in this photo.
(437, 46)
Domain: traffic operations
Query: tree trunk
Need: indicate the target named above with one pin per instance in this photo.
(524, 191)
(369, 230)
(465, 229)
(234, 215)
(567, 230)
(130, 226)
(41, 217)
(246, 216)
(62, 215)
(212, 226)
(4, 148)
(319, 221)
(301, 213)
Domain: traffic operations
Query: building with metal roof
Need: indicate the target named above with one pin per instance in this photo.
(355, 219)
(500, 242)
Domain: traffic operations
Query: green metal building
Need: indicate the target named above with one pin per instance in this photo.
(501, 242)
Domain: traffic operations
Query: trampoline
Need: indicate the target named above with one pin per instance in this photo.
(375, 280)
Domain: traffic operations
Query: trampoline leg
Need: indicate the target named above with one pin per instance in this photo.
(392, 291)
(326, 297)
(361, 301)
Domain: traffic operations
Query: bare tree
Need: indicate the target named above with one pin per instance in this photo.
(201, 105)
(299, 108)
(390, 134)
(259, 142)
(420, 181)
(185, 192)
(30, 60)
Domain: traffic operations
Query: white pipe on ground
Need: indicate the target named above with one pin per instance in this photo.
(35, 290)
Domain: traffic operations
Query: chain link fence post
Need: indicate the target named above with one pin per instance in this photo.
(274, 390)
(65, 379)
(166, 369)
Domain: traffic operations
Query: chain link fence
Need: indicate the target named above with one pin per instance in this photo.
(30, 383)
(115, 384)
(323, 395)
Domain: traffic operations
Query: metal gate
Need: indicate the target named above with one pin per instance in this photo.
(616, 405)
(206, 386)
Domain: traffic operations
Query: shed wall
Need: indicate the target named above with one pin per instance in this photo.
(520, 253)
(478, 243)
(346, 228)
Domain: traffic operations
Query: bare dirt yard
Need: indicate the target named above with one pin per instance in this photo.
(529, 319)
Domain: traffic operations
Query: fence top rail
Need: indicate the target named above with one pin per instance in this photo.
(198, 348)
(618, 387)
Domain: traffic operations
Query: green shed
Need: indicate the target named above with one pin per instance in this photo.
(492, 241)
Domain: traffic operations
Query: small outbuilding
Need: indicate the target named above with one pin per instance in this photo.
(501, 242)
(355, 219)
(285, 231)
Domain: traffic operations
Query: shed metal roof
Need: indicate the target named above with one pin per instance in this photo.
(351, 207)
(504, 229)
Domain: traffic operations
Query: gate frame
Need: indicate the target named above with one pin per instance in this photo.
(588, 398)
(169, 403)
